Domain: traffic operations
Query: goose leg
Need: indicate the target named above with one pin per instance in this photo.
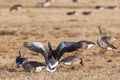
(18, 66)
(101, 53)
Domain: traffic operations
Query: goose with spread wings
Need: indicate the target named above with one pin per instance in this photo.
(39, 47)
(71, 46)
(52, 57)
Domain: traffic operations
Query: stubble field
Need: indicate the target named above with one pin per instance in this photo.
(54, 25)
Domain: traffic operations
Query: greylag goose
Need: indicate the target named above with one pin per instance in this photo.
(16, 7)
(73, 59)
(44, 4)
(86, 12)
(103, 41)
(99, 7)
(33, 66)
(72, 13)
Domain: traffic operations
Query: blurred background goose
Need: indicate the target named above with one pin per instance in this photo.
(99, 7)
(16, 7)
(44, 4)
(87, 13)
(113, 7)
(75, 1)
(72, 13)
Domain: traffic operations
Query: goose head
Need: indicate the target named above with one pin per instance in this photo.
(20, 60)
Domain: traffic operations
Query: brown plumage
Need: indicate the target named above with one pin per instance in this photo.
(103, 43)
(71, 60)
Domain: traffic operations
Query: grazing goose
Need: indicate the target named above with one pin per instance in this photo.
(86, 12)
(72, 13)
(70, 60)
(29, 66)
(20, 60)
(52, 57)
(112, 7)
(33, 66)
(75, 1)
(16, 7)
(99, 7)
(103, 43)
(44, 4)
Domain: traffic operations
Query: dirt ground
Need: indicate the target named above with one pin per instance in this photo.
(54, 25)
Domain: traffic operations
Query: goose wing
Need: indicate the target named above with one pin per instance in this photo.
(35, 63)
(66, 47)
(109, 38)
(69, 58)
(105, 41)
(37, 47)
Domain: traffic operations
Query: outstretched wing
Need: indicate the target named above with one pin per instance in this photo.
(66, 47)
(37, 47)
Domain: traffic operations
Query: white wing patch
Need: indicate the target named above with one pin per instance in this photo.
(67, 63)
(38, 69)
(90, 45)
(109, 48)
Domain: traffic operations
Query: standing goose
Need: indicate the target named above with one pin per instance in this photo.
(103, 43)
(52, 57)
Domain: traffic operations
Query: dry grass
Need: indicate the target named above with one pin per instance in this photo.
(52, 24)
